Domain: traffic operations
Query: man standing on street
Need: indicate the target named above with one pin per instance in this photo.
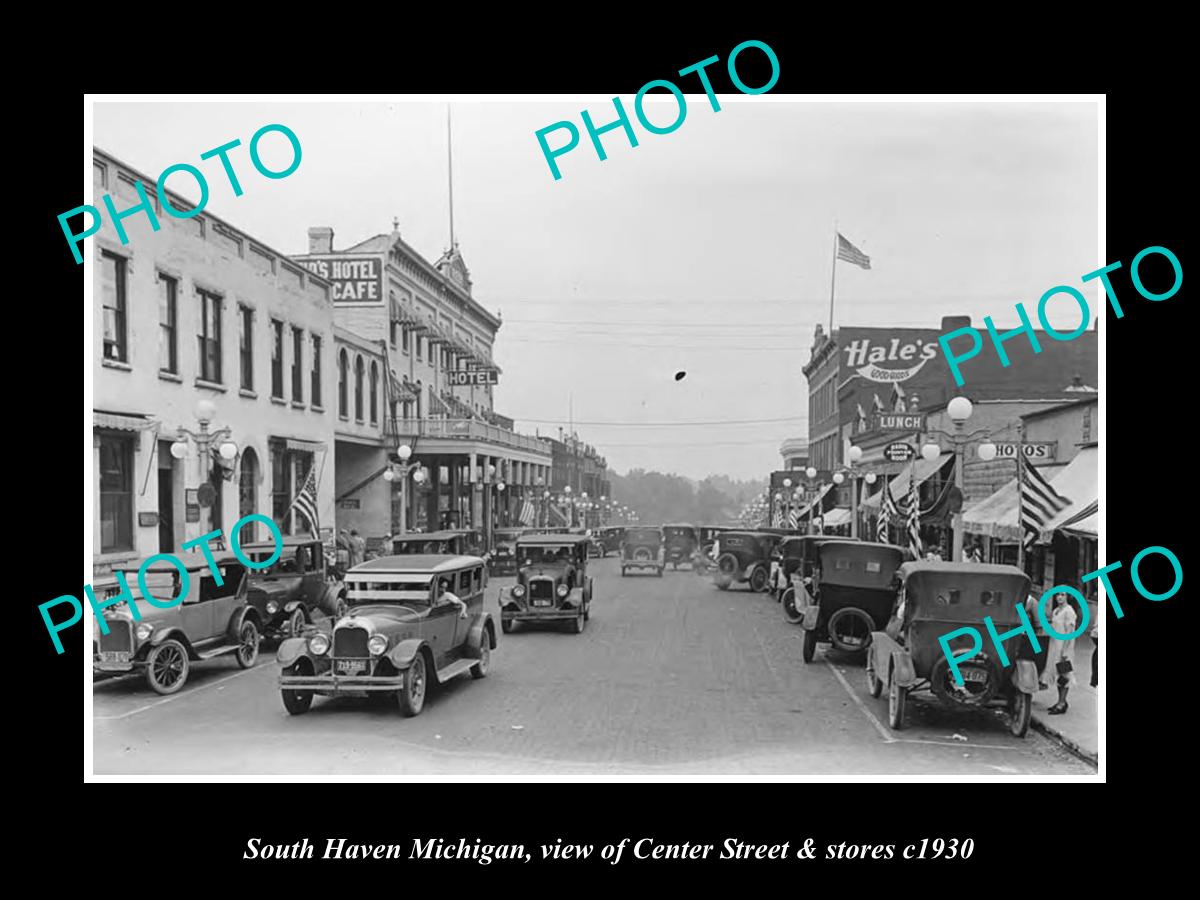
(359, 544)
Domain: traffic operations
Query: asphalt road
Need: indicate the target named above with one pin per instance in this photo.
(671, 678)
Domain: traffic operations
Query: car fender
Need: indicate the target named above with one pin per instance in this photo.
(809, 616)
(902, 661)
(329, 598)
(291, 606)
(166, 634)
(587, 594)
(1025, 677)
(402, 655)
(483, 629)
(239, 616)
(290, 650)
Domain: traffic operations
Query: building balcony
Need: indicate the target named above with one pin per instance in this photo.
(468, 430)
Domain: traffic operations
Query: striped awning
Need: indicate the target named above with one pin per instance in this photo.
(121, 421)
(305, 446)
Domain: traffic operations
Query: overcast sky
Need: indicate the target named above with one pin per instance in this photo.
(707, 250)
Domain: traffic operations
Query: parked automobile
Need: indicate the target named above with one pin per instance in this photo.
(853, 591)
(611, 537)
(396, 638)
(212, 620)
(706, 534)
(642, 548)
(502, 559)
(681, 542)
(745, 558)
(451, 542)
(287, 593)
(794, 560)
(595, 546)
(935, 598)
(552, 582)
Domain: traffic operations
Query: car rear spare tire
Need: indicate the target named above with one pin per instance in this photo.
(850, 629)
(981, 681)
(728, 564)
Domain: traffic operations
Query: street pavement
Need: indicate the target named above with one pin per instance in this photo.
(671, 678)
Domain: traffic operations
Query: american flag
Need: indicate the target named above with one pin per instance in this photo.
(852, 254)
(1039, 501)
(528, 512)
(914, 515)
(887, 512)
(793, 517)
(306, 501)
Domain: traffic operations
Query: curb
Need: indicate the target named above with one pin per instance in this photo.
(1089, 756)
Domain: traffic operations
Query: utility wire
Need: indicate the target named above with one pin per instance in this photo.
(522, 419)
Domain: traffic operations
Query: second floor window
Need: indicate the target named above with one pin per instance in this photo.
(316, 370)
(210, 336)
(297, 365)
(114, 286)
(246, 347)
(374, 393)
(277, 359)
(403, 338)
(358, 388)
(417, 341)
(343, 377)
(168, 311)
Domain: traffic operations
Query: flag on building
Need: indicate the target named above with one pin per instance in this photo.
(528, 512)
(914, 515)
(852, 254)
(887, 512)
(562, 517)
(793, 517)
(1039, 501)
(306, 501)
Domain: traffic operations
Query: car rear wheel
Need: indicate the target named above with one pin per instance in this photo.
(790, 612)
(480, 669)
(247, 651)
(874, 685)
(897, 701)
(728, 564)
(296, 622)
(810, 645)
(758, 580)
(167, 667)
(412, 692)
(1020, 712)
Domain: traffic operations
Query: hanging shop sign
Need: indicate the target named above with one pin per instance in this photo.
(898, 451)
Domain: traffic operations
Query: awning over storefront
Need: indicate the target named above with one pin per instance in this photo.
(836, 517)
(997, 516)
(121, 421)
(1087, 527)
(1079, 483)
(803, 514)
(922, 469)
(304, 446)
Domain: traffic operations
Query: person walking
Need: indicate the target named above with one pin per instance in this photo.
(359, 543)
(1039, 657)
(345, 553)
(1061, 656)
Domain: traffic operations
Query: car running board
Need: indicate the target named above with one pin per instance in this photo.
(219, 651)
(455, 669)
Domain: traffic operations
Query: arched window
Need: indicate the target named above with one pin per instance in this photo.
(247, 492)
(343, 379)
(358, 388)
(374, 392)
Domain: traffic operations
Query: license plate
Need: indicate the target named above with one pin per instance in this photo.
(350, 666)
(542, 603)
(114, 656)
(974, 675)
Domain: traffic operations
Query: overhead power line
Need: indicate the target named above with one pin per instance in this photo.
(664, 424)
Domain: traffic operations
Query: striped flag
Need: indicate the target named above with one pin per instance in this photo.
(852, 254)
(528, 512)
(1039, 501)
(793, 517)
(914, 515)
(306, 501)
(887, 512)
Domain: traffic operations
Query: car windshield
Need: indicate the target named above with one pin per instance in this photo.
(287, 564)
(534, 555)
(406, 590)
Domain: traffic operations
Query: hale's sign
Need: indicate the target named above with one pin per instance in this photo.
(460, 377)
(1039, 450)
(351, 280)
(865, 355)
(899, 422)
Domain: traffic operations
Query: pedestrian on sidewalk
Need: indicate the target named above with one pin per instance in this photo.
(1061, 656)
(360, 545)
(1039, 657)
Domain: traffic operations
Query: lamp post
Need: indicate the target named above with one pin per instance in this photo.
(959, 410)
(399, 472)
(839, 477)
(205, 411)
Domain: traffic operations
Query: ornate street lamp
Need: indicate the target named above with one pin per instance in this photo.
(959, 410)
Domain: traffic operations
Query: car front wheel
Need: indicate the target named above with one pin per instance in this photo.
(897, 700)
(577, 623)
(758, 580)
(1021, 711)
(412, 693)
(297, 702)
(247, 651)
(810, 645)
(296, 622)
(506, 625)
(167, 667)
(790, 612)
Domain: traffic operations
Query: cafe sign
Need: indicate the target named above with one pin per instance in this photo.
(898, 451)
(1040, 451)
(350, 280)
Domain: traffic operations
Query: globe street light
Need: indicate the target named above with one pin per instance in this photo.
(227, 450)
(391, 475)
(959, 410)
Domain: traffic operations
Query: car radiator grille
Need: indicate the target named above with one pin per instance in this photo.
(541, 589)
(119, 637)
(350, 642)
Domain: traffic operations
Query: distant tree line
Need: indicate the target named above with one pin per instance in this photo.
(659, 497)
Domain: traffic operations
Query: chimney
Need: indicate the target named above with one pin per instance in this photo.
(950, 323)
(320, 240)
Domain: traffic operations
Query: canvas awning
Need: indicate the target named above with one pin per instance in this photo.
(996, 516)
(1079, 483)
(304, 446)
(836, 517)
(922, 469)
(121, 421)
(803, 514)
(1087, 527)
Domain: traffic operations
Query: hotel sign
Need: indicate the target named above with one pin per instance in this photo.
(352, 280)
(463, 377)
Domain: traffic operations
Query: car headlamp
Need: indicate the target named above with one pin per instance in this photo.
(144, 631)
(272, 607)
(563, 590)
(377, 644)
(518, 591)
(318, 644)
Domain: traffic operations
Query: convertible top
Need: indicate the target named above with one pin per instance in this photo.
(433, 535)
(552, 540)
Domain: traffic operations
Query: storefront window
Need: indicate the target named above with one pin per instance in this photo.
(116, 493)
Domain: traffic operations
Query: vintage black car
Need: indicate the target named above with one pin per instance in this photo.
(681, 543)
(642, 548)
(502, 559)
(552, 582)
(794, 560)
(452, 542)
(290, 590)
(397, 636)
(853, 591)
(745, 557)
(611, 537)
(212, 620)
(934, 599)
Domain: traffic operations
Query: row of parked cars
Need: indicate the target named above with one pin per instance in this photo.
(878, 602)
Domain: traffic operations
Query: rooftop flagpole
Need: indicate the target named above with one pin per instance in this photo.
(833, 278)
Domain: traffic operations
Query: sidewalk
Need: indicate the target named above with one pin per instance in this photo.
(1078, 729)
